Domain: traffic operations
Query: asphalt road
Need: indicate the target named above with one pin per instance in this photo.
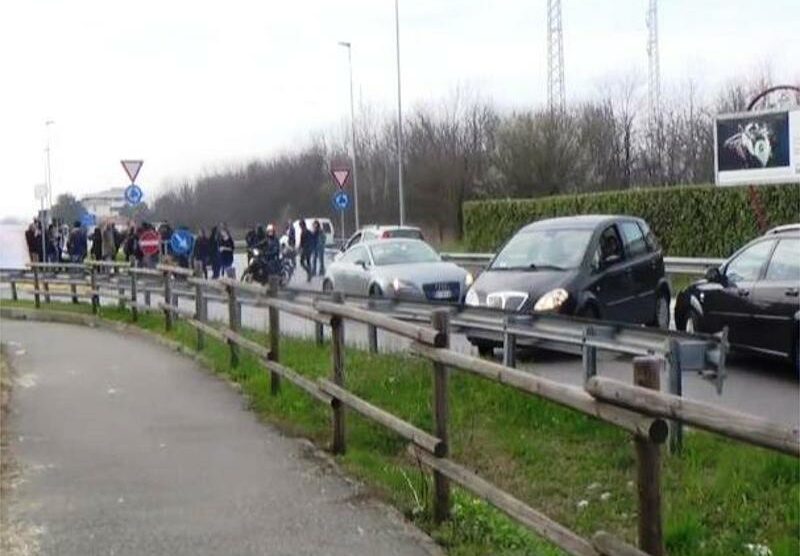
(129, 448)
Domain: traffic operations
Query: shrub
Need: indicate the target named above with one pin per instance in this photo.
(690, 221)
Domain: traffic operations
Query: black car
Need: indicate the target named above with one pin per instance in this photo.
(755, 293)
(595, 266)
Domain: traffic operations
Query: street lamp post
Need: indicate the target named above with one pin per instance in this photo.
(399, 118)
(352, 131)
(47, 125)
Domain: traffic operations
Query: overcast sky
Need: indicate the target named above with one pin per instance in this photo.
(189, 86)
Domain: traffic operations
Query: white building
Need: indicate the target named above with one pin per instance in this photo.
(105, 204)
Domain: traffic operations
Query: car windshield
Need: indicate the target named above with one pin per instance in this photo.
(557, 249)
(403, 252)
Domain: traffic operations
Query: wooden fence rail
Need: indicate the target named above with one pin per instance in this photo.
(641, 409)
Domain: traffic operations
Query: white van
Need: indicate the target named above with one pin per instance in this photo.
(325, 224)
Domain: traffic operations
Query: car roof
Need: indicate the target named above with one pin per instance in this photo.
(372, 227)
(578, 221)
(383, 242)
(785, 229)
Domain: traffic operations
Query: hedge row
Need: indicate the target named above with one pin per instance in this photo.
(690, 221)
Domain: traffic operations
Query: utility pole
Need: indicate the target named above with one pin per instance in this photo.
(556, 97)
(653, 85)
(352, 133)
(47, 125)
(399, 119)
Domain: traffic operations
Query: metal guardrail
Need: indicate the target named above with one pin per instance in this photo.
(674, 265)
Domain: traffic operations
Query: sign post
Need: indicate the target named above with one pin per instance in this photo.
(340, 199)
(40, 192)
(133, 193)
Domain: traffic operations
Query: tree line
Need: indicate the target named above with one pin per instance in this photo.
(467, 147)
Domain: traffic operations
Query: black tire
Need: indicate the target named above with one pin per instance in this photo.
(247, 276)
(327, 286)
(692, 324)
(375, 291)
(661, 316)
(485, 347)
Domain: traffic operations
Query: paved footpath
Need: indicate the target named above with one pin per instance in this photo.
(129, 448)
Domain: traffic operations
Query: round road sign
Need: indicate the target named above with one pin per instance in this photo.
(181, 242)
(341, 200)
(150, 242)
(133, 194)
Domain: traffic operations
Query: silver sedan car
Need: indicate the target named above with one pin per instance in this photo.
(399, 268)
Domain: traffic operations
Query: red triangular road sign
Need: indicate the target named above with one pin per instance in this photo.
(340, 175)
(132, 168)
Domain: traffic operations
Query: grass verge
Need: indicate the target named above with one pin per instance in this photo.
(721, 497)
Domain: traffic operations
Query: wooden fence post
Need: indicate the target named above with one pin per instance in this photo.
(440, 320)
(199, 306)
(147, 296)
(120, 289)
(274, 335)
(509, 344)
(134, 308)
(234, 324)
(46, 287)
(36, 300)
(675, 387)
(93, 286)
(337, 355)
(648, 467)
(319, 334)
(73, 289)
(167, 300)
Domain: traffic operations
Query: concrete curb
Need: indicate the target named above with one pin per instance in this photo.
(306, 447)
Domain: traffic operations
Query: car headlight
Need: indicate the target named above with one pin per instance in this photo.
(256, 252)
(552, 300)
(468, 279)
(472, 298)
(398, 284)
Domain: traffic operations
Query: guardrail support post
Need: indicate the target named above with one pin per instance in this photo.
(93, 286)
(337, 354)
(36, 301)
(134, 308)
(46, 287)
(440, 320)
(13, 290)
(147, 297)
(589, 355)
(274, 336)
(73, 289)
(167, 300)
(120, 289)
(646, 373)
(234, 323)
(199, 306)
(509, 344)
(676, 388)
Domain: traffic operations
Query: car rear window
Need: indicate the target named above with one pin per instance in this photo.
(409, 234)
(785, 262)
(633, 238)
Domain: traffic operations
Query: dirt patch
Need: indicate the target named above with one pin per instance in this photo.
(16, 538)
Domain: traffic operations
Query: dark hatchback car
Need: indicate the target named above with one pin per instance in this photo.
(755, 293)
(595, 266)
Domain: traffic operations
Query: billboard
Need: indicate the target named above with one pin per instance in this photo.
(753, 148)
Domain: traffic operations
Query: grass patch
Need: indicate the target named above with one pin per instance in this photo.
(719, 495)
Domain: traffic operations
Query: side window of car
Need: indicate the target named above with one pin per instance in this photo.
(609, 249)
(353, 240)
(650, 238)
(747, 265)
(350, 255)
(634, 239)
(784, 266)
(359, 255)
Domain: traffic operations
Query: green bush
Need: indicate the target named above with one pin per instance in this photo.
(690, 221)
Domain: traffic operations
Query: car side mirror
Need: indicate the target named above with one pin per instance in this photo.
(362, 264)
(713, 274)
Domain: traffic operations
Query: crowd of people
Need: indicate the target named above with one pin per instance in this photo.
(212, 250)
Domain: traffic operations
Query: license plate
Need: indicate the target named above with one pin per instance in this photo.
(442, 294)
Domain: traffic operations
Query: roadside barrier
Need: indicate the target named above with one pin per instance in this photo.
(638, 408)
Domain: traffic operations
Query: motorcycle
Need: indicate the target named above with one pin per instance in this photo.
(260, 268)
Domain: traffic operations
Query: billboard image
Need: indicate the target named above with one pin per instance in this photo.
(757, 147)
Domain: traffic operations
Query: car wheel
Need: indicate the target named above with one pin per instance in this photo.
(692, 325)
(485, 348)
(661, 319)
(375, 291)
(247, 276)
(327, 286)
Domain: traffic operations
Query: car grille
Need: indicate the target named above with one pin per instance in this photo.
(508, 301)
(441, 291)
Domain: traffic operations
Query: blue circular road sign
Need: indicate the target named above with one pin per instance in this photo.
(181, 242)
(341, 200)
(133, 194)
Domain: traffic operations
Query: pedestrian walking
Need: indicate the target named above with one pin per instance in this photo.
(226, 253)
(97, 244)
(319, 249)
(109, 242)
(213, 244)
(76, 243)
(202, 252)
(31, 238)
(307, 245)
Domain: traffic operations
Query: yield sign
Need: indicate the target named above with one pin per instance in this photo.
(132, 168)
(340, 176)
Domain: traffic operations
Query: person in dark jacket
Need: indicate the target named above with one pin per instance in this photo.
(76, 243)
(226, 252)
(213, 244)
(30, 241)
(202, 252)
(319, 249)
(97, 244)
(307, 246)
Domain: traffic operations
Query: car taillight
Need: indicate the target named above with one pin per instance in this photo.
(386, 234)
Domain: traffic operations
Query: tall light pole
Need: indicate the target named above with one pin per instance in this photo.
(352, 131)
(399, 119)
(47, 125)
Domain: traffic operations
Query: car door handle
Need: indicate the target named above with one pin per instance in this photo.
(744, 293)
(792, 292)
